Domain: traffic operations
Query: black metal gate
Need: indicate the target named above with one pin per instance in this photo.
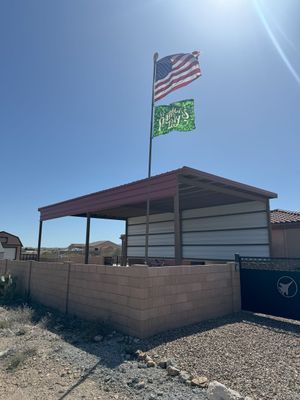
(270, 285)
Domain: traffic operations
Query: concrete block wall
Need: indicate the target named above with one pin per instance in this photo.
(137, 300)
(183, 295)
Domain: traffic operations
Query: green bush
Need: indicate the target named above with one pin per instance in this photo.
(7, 287)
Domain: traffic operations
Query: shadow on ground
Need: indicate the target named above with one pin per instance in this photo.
(81, 333)
(115, 348)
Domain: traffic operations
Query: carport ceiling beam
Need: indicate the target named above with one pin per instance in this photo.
(219, 189)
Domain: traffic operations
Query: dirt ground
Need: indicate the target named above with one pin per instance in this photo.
(32, 366)
(44, 355)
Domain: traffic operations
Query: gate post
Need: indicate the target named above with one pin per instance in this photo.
(237, 260)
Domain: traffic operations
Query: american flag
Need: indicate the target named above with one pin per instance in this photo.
(174, 72)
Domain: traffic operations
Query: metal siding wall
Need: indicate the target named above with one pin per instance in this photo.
(225, 209)
(161, 236)
(166, 239)
(224, 252)
(157, 227)
(162, 251)
(254, 220)
(253, 236)
(205, 232)
(244, 230)
(152, 218)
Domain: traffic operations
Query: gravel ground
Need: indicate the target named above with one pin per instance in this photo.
(45, 355)
(257, 355)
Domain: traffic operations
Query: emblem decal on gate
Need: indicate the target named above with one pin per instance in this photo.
(287, 286)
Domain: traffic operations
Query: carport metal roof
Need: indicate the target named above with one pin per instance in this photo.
(195, 189)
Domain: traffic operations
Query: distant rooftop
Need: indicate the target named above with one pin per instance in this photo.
(92, 244)
(284, 216)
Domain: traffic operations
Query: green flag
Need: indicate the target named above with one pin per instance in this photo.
(178, 116)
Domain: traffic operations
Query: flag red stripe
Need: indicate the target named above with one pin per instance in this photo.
(181, 78)
(183, 60)
(175, 88)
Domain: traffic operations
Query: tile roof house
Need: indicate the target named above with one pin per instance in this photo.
(284, 216)
(285, 227)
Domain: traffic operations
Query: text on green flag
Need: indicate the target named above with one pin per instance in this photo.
(178, 116)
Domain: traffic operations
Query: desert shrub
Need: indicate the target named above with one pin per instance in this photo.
(19, 358)
(7, 287)
(16, 317)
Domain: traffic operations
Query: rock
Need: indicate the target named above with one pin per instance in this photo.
(140, 385)
(4, 353)
(163, 363)
(142, 365)
(98, 338)
(200, 381)
(172, 371)
(184, 376)
(141, 355)
(151, 364)
(217, 391)
(170, 362)
(132, 382)
(148, 358)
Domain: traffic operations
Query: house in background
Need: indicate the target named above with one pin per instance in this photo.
(1, 252)
(102, 247)
(285, 226)
(11, 245)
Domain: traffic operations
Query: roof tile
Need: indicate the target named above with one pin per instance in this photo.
(284, 216)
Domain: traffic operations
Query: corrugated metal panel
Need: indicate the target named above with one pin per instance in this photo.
(208, 234)
(166, 251)
(224, 252)
(157, 187)
(251, 236)
(136, 230)
(255, 220)
(136, 251)
(152, 218)
(167, 239)
(225, 209)
(159, 227)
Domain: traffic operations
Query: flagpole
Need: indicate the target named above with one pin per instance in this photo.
(155, 57)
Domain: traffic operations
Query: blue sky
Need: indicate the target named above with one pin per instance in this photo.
(75, 79)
